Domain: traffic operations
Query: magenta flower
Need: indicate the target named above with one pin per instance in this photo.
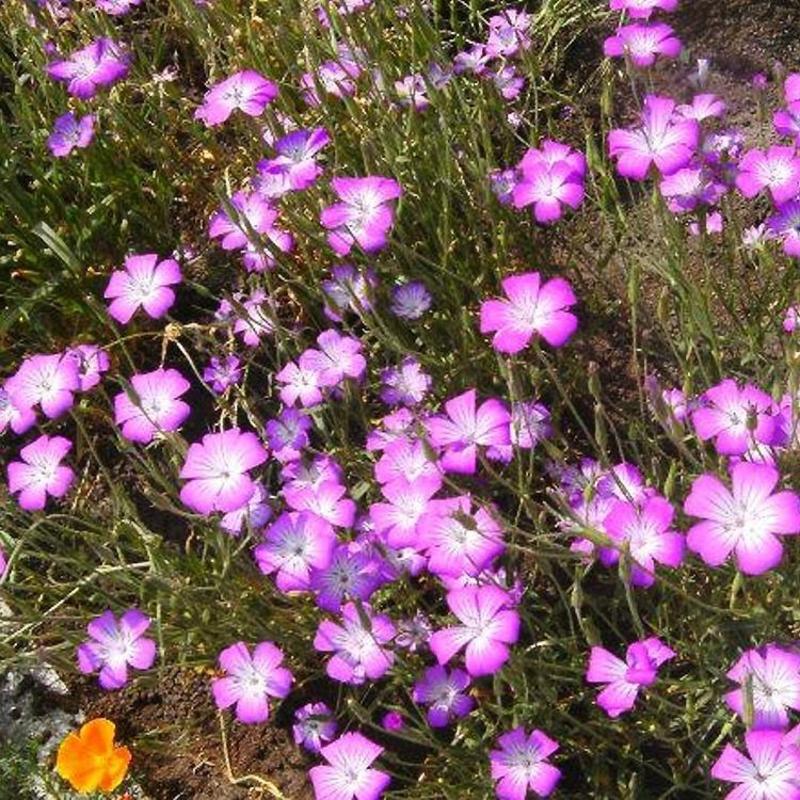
(313, 725)
(744, 521)
(645, 531)
(253, 515)
(643, 43)
(356, 644)
(335, 78)
(791, 88)
(548, 189)
(217, 471)
(287, 434)
(70, 132)
(459, 541)
(18, 418)
(776, 169)
(144, 282)
(466, 427)
(348, 774)
(489, 627)
(48, 381)
(327, 500)
(114, 645)
(529, 424)
(703, 106)
(153, 406)
(509, 33)
(3, 564)
(532, 308)
(404, 461)
(412, 92)
(784, 225)
(253, 317)
(250, 680)
(642, 9)
(689, 188)
(398, 520)
(443, 693)
(101, 63)
(117, 8)
(293, 545)
(296, 157)
(339, 357)
(253, 214)
(508, 82)
(364, 216)
(736, 418)
(410, 300)
(299, 383)
(625, 679)
(772, 772)
(770, 677)
(249, 91)
(40, 473)
(92, 362)
(786, 121)
(406, 384)
(223, 373)
(664, 139)
(521, 763)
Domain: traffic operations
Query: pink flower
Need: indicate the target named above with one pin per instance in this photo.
(489, 627)
(338, 357)
(744, 521)
(643, 43)
(777, 169)
(19, 419)
(625, 679)
(399, 518)
(348, 774)
(143, 283)
(217, 471)
(521, 763)
(532, 308)
(152, 406)
(101, 63)
(248, 91)
(299, 383)
(642, 9)
(466, 427)
(48, 381)
(40, 473)
(663, 139)
(364, 215)
(550, 178)
(250, 680)
(327, 501)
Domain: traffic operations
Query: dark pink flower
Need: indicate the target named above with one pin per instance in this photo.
(143, 283)
(642, 43)
(248, 91)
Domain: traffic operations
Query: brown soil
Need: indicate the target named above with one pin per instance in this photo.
(173, 728)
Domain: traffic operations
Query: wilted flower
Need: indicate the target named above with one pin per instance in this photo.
(410, 300)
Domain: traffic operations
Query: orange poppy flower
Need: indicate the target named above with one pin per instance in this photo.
(89, 760)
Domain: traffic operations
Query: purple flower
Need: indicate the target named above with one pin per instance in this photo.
(144, 282)
(348, 774)
(664, 139)
(393, 721)
(784, 224)
(642, 9)
(336, 79)
(357, 645)
(313, 725)
(625, 679)
(153, 406)
(252, 317)
(293, 545)
(411, 91)
(40, 473)
(3, 564)
(509, 32)
(406, 384)
(459, 541)
(101, 63)
(115, 645)
(410, 300)
(744, 521)
(703, 106)
(70, 132)
(299, 383)
(508, 82)
(791, 88)
(350, 575)
(217, 471)
(520, 763)
(287, 434)
(465, 427)
(787, 121)
(248, 91)
(404, 461)
(48, 381)
(398, 520)
(311, 475)
(414, 633)
(250, 680)
(689, 188)
(503, 183)
(364, 216)
(222, 374)
(252, 213)
(253, 515)
(327, 500)
(771, 773)
(443, 693)
(548, 182)
(117, 8)
(770, 677)
(791, 319)
(474, 60)
(296, 157)
(776, 169)
(339, 357)
(642, 43)
(348, 289)
(529, 424)
(19, 418)
(532, 308)
(735, 418)
(645, 532)
(488, 627)
(92, 362)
